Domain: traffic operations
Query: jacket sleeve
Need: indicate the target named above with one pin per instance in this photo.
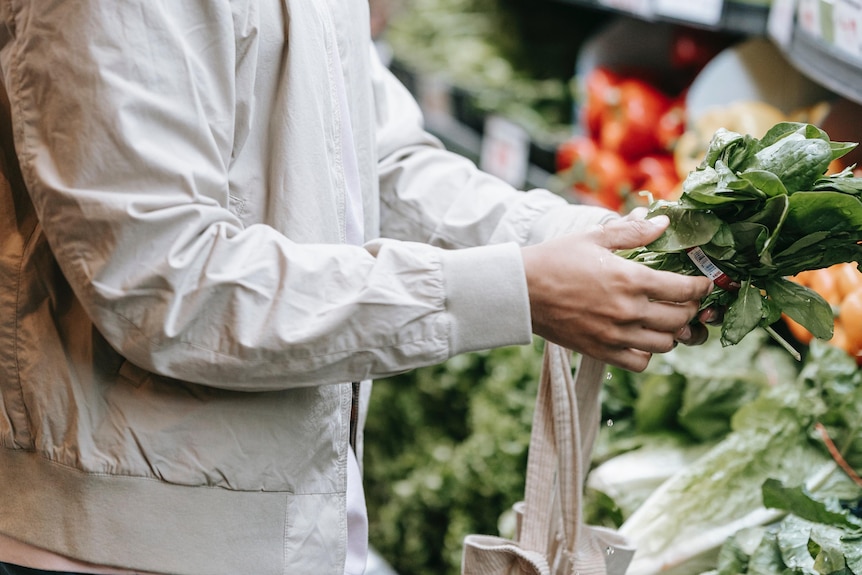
(124, 119)
(431, 195)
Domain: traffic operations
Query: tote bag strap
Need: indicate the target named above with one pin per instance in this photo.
(565, 424)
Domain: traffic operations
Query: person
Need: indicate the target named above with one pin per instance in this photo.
(220, 221)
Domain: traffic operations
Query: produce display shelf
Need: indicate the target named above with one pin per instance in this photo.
(466, 141)
(826, 65)
(739, 17)
(451, 115)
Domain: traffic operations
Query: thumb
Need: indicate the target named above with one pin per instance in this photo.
(622, 234)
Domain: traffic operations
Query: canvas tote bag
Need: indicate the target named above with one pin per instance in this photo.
(551, 536)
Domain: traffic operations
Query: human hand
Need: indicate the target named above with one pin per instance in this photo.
(587, 299)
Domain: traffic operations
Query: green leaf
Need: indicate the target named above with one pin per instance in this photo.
(812, 212)
(658, 401)
(829, 251)
(771, 312)
(809, 547)
(803, 305)
(772, 216)
(699, 187)
(750, 239)
(798, 500)
(734, 556)
(792, 539)
(797, 162)
(721, 190)
(728, 147)
(766, 182)
(840, 149)
(743, 314)
(782, 130)
(804, 243)
(845, 185)
(767, 559)
(688, 228)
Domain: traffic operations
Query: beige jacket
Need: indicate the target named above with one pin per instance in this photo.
(179, 309)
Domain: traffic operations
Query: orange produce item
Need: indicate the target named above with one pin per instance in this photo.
(850, 319)
(801, 334)
(847, 279)
(841, 286)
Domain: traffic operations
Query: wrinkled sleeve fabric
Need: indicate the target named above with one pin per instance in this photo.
(124, 119)
(431, 195)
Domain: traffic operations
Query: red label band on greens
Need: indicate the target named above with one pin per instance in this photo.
(710, 270)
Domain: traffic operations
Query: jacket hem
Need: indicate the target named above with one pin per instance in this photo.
(149, 525)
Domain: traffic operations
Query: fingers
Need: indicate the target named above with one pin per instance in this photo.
(674, 287)
(668, 317)
(693, 334)
(627, 233)
(713, 315)
(628, 359)
(587, 299)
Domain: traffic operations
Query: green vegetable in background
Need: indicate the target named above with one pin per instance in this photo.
(768, 498)
(756, 211)
(664, 419)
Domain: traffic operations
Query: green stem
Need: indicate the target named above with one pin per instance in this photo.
(784, 343)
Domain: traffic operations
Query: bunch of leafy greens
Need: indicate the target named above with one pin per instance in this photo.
(762, 210)
(767, 497)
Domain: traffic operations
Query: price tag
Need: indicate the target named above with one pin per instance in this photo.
(847, 26)
(703, 12)
(780, 22)
(641, 8)
(505, 150)
(808, 18)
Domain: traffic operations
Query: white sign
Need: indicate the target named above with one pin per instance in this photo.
(641, 8)
(780, 23)
(703, 11)
(808, 18)
(847, 24)
(505, 150)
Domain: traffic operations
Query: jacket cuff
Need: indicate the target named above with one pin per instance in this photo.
(487, 298)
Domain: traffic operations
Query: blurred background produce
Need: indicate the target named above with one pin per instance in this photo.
(719, 460)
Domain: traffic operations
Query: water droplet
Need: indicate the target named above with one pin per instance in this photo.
(610, 550)
(610, 423)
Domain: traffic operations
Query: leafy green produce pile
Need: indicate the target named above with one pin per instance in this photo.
(512, 59)
(760, 210)
(764, 497)
(686, 451)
